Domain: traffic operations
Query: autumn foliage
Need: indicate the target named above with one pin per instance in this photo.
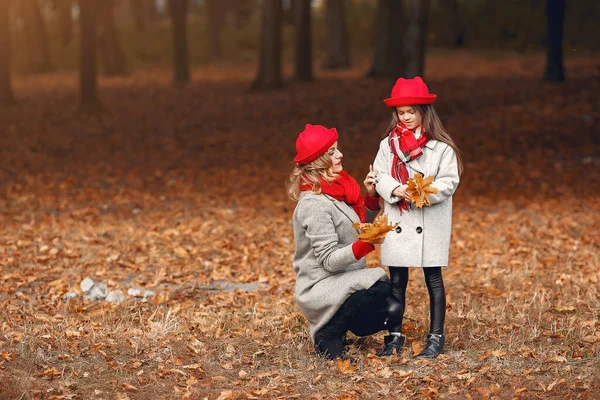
(182, 192)
(419, 190)
(371, 232)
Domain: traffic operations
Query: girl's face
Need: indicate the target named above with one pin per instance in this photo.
(336, 157)
(409, 116)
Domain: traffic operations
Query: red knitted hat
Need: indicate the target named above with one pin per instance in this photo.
(313, 141)
(408, 92)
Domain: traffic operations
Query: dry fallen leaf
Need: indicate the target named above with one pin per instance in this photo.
(419, 190)
(370, 232)
(416, 347)
(345, 367)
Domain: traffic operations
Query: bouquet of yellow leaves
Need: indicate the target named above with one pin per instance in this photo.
(375, 231)
(419, 190)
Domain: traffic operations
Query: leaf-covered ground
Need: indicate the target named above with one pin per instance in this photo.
(176, 190)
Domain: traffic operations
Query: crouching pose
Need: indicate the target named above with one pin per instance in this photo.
(334, 289)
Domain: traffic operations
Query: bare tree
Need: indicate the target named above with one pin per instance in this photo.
(454, 24)
(141, 10)
(216, 18)
(555, 70)
(6, 93)
(388, 58)
(302, 40)
(63, 10)
(109, 49)
(418, 10)
(34, 28)
(88, 70)
(178, 12)
(338, 55)
(269, 69)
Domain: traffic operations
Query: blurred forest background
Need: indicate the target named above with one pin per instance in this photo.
(126, 35)
(168, 192)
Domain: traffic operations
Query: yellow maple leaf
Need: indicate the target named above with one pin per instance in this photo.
(419, 190)
(370, 232)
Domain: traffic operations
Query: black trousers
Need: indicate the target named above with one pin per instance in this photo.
(363, 313)
(437, 296)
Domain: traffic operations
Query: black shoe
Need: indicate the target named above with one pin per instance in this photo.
(391, 344)
(331, 347)
(435, 346)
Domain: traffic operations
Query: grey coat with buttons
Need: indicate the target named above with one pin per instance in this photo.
(423, 236)
(327, 272)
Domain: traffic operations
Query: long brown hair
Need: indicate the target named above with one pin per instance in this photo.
(433, 128)
(309, 174)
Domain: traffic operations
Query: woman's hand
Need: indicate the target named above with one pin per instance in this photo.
(370, 182)
(400, 192)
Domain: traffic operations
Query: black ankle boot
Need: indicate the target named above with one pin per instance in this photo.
(330, 346)
(434, 347)
(391, 344)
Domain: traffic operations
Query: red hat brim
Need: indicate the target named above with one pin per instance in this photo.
(409, 101)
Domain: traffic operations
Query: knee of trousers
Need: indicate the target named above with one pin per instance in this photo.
(395, 308)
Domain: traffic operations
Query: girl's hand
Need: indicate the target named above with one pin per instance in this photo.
(400, 192)
(370, 181)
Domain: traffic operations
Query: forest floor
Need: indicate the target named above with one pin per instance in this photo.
(175, 190)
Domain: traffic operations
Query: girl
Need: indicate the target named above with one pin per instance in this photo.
(417, 143)
(334, 289)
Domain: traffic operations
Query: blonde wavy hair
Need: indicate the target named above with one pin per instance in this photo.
(433, 128)
(308, 174)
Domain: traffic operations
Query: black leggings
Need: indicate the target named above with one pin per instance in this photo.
(437, 295)
(363, 313)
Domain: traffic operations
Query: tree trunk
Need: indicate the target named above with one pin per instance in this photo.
(302, 40)
(140, 12)
(216, 17)
(65, 20)
(454, 29)
(269, 70)
(88, 71)
(36, 34)
(178, 14)
(555, 70)
(337, 35)
(111, 54)
(388, 60)
(415, 38)
(6, 93)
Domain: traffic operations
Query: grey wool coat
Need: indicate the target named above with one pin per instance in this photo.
(327, 272)
(423, 237)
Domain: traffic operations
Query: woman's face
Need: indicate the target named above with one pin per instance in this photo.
(336, 157)
(409, 116)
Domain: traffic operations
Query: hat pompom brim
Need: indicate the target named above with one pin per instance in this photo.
(409, 101)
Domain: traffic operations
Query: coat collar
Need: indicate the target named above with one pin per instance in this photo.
(414, 164)
(344, 208)
(431, 143)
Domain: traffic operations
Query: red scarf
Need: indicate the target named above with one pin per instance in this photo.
(405, 148)
(343, 188)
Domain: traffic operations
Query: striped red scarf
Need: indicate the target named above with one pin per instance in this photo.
(405, 148)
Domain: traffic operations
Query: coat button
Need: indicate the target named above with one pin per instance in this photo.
(419, 229)
(398, 229)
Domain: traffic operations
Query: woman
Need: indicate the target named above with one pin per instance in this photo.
(334, 289)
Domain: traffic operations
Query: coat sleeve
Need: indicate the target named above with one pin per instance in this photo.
(372, 208)
(383, 165)
(317, 220)
(447, 178)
